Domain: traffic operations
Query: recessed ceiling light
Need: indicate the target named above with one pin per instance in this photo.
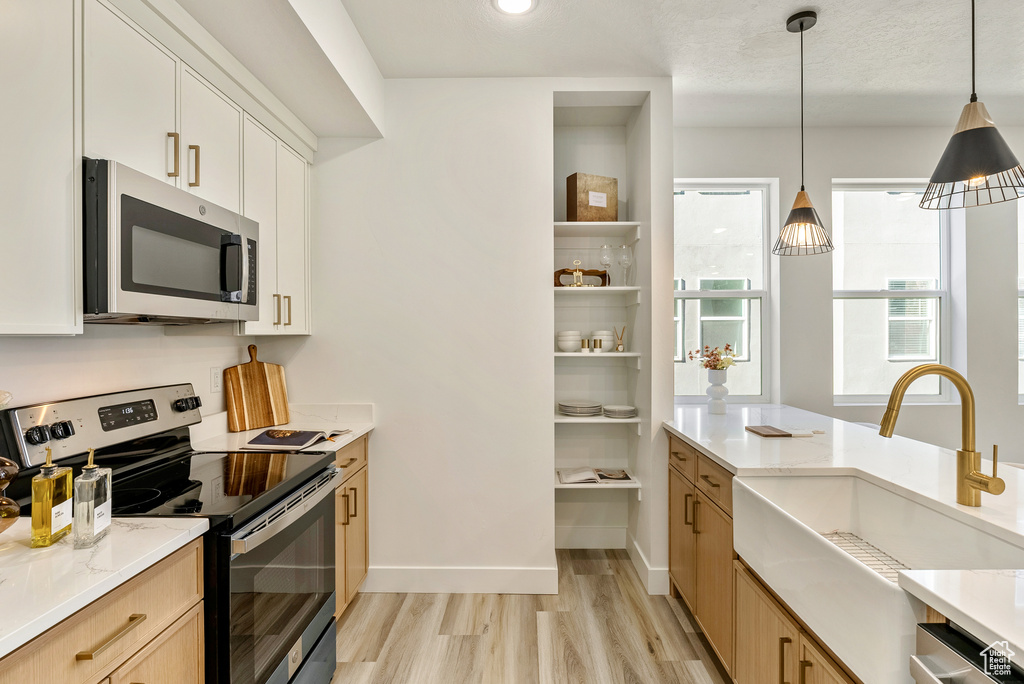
(515, 6)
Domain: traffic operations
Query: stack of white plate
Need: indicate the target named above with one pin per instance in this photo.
(579, 408)
(569, 340)
(620, 412)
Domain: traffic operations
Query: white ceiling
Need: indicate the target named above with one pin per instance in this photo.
(869, 62)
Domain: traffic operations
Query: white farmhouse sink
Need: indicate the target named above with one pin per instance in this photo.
(867, 620)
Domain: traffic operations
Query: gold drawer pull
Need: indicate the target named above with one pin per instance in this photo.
(782, 658)
(355, 502)
(696, 507)
(134, 620)
(708, 480)
(686, 509)
(195, 148)
(177, 151)
(679, 457)
(288, 298)
(804, 664)
(277, 309)
(349, 462)
(345, 497)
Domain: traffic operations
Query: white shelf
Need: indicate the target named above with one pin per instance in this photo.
(621, 229)
(631, 484)
(598, 355)
(620, 289)
(562, 419)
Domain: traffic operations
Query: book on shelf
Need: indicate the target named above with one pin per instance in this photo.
(276, 439)
(592, 475)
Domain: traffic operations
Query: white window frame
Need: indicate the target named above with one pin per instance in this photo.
(769, 192)
(943, 295)
(744, 317)
(931, 318)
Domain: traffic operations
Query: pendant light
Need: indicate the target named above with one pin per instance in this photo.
(803, 233)
(977, 167)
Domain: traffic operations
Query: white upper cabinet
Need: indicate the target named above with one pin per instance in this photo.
(40, 180)
(130, 112)
(292, 240)
(211, 143)
(259, 199)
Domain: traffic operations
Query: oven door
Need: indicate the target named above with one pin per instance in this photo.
(281, 584)
(155, 250)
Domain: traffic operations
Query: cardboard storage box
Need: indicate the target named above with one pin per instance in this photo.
(591, 198)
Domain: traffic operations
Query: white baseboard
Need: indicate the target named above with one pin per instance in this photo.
(654, 579)
(579, 537)
(455, 580)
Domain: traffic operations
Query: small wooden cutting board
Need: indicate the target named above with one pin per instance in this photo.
(256, 394)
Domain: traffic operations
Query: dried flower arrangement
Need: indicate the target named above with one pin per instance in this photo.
(714, 359)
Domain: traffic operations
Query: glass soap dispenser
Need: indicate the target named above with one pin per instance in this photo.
(51, 503)
(92, 504)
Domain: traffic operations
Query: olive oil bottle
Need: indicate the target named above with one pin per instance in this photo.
(51, 503)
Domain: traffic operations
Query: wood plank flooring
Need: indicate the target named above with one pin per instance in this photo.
(601, 627)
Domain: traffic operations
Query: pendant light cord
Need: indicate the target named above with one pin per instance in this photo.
(802, 104)
(974, 87)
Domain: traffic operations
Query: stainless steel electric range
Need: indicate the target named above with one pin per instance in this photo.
(269, 554)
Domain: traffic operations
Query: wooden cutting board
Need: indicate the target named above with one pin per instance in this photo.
(256, 394)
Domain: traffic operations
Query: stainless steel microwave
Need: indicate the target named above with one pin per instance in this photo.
(160, 255)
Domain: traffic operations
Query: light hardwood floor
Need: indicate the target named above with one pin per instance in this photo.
(600, 627)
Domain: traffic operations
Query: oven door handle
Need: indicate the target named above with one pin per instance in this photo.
(247, 542)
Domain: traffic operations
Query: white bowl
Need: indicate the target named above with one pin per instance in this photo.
(570, 333)
(569, 346)
(601, 333)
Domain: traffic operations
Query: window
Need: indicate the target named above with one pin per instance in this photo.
(1020, 304)
(721, 275)
(890, 292)
(912, 329)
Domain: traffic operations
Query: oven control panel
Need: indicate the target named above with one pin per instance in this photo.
(73, 426)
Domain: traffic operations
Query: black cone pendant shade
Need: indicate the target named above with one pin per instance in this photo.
(803, 233)
(977, 167)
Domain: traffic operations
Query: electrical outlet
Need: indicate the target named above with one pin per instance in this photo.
(215, 376)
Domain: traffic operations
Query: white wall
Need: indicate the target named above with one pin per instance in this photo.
(108, 358)
(989, 341)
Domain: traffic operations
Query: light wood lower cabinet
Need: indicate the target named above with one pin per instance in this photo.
(700, 543)
(124, 630)
(770, 646)
(351, 539)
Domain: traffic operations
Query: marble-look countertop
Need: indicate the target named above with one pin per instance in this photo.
(918, 471)
(212, 434)
(988, 604)
(41, 587)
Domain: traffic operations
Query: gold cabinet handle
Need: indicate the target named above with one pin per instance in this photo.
(349, 462)
(177, 152)
(708, 480)
(804, 664)
(190, 183)
(678, 456)
(355, 502)
(696, 507)
(288, 298)
(782, 658)
(277, 309)
(686, 509)
(345, 497)
(134, 620)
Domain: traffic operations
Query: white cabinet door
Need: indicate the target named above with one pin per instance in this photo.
(259, 200)
(211, 142)
(292, 241)
(130, 98)
(40, 179)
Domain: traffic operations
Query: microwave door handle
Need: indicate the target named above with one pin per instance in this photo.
(228, 241)
(243, 255)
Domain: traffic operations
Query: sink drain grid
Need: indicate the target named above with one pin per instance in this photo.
(876, 559)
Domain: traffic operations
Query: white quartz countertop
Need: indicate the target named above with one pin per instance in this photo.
(989, 604)
(212, 434)
(921, 472)
(41, 587)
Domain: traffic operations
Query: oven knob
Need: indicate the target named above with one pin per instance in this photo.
(181, 405)
(62, 429)
(40, 434)
(195, 402)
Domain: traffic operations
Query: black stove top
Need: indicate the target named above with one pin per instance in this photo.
(162, 476)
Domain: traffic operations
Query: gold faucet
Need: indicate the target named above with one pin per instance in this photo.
(970, 481)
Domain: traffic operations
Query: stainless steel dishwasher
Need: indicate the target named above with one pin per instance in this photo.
(946, 655)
